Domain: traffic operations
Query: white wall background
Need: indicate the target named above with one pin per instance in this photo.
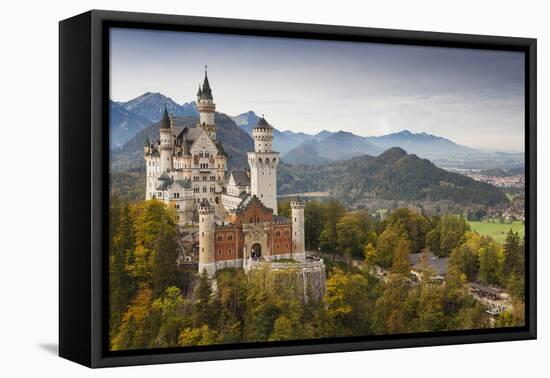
(29, 190)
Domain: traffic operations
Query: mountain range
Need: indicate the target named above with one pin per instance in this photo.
(326, 146)
(128, 119)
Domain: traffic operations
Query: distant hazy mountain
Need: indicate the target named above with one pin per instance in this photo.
(307, 153)
(322, 135)
(235, 142)
(420, 143)
(392, 175)
(123, 124)
(151, 105)
(246, 121)
(336, 146)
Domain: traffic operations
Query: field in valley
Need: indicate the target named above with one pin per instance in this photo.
(498, 230)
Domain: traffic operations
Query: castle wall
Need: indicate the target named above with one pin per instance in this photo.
(228, 243)
(281, 240)
(308, 278)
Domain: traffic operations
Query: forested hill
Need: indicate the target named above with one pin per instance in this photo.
(235, 142)
(393, 175)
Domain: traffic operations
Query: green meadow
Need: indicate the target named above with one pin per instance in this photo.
(498, 230)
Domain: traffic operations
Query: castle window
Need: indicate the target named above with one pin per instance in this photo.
(220, 238)
(220, 252)
(229, 250)
(229, 237)
(204, 189)
(159, 194)
(278, 233)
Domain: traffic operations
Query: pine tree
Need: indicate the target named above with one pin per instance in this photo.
(203, 297)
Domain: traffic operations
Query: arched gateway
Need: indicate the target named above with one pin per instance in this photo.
(256, 251)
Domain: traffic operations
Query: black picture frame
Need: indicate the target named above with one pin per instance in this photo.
(84, 177)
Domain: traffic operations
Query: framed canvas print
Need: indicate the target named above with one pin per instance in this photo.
(233, 188)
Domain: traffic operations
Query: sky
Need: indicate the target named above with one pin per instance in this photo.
(473, 97)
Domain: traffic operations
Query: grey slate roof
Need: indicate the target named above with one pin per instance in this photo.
(241, 177)
(165, 121)
(164, 182)
(188, 133)
(280, 219)
(262, 124)
(484, 288)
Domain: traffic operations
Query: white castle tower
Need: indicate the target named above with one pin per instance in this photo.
(206, 106)
(206, 239)
(263, 165)
(166, 143)
(298, 237)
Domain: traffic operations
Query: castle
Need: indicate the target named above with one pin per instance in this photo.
(237, 217)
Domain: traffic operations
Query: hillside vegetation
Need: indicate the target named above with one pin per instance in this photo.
(393, 175)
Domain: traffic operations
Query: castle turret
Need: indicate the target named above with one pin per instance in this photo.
(147, 146)
(263, 165)
(206, 107)
(298, 241)
(166, 142)
(206, 239)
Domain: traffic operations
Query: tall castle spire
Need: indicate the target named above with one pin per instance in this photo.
(206, 107)
(165, 120)
(206, 92)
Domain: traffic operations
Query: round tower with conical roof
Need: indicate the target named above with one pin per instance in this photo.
(298, 236)
(263, 164)
(207, 108)
(166, 141)
(206, 239)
